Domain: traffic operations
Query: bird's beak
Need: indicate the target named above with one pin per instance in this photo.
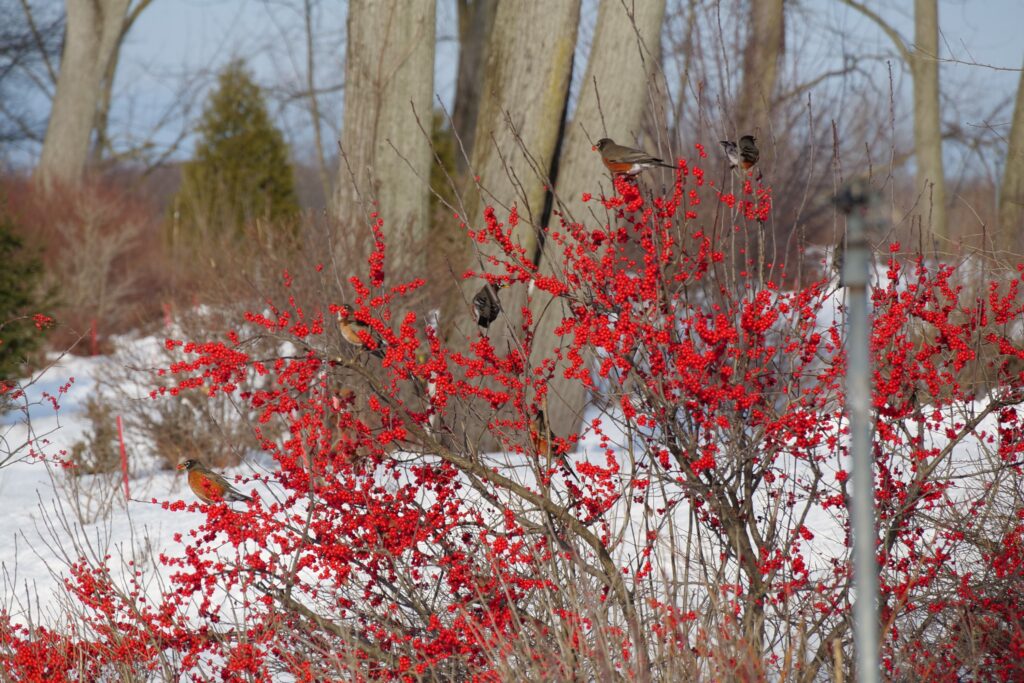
(180, 466)
(593, 148)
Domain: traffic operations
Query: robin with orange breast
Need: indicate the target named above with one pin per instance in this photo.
(351, 329)
(744, 155)
(627, 161)
(209, 486)
(544, 444)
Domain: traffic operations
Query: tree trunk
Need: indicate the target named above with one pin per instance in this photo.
(924, 65)
(101, 145)
(517, 131)
(476, 18)
(924, 70)
(520, 117)
(386, 157)
(765, 44)
(1011, 195)
(622, 63)
(94, 29)
(314, 101)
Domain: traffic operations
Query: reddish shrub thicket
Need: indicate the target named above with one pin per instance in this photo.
(103, 253)
(705, 536)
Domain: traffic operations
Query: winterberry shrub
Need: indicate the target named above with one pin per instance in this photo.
(696, 528)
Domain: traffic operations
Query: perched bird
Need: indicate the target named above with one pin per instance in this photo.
(350, 329)
(744, 155)
(622, 160)
(543, 442)
(838, 256)
(209, 486)
(749, 153)
(732, 153)
(486, 305)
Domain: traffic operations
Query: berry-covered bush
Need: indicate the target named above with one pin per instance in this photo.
(697, 529)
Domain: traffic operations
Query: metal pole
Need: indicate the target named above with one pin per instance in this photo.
(854, 200)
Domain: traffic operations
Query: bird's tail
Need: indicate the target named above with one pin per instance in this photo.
(567, 468)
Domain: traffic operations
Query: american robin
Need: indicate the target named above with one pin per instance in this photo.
(486, 305)
(622, 160)
(543, 442)
(209, 486)
(744, 155)
(351, 328)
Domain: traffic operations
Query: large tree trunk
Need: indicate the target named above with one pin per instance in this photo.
(622, 62)
(527, 72)
(94, 29)
(386, 157)
(927, 119)
(765, 44)
(1011, 195)
(476, 18)
(517, 132)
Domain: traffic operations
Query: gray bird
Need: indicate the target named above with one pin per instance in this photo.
(732, 153)
(486, 305)
(622, 160)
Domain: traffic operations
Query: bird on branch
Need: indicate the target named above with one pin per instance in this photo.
(543, 442)
(744, 155)
(358, 333)
(486, 305)
(627, 161)
(209, 486)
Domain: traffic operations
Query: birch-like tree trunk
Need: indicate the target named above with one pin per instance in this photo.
(94, 30)
(765, 44)
(1011, 194)
(619, 76)
(922, 59)
(389, 84)
(924, 63)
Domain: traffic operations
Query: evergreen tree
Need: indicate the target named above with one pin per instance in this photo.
(240, 173)
(20, 294)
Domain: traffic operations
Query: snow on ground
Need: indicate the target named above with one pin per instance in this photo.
(43, 527)
(45, 530)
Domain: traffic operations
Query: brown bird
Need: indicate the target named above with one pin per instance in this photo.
(544, 444)
(350, 329)
(209, 486)
(627, 161)
(744, 155)
(486, 305)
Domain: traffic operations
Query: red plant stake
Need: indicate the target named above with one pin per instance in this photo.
(124, 457)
